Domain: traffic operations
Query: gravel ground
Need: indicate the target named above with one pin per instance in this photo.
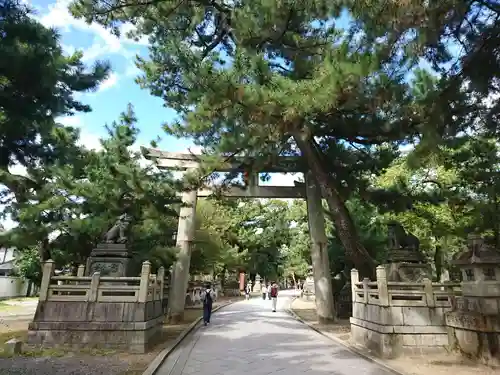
(81, 364)
(91, 365)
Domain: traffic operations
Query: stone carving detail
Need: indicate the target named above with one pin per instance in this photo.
(400, 239)
(117, 233)
(104, 268)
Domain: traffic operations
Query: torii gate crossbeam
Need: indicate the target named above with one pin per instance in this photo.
(182, 161)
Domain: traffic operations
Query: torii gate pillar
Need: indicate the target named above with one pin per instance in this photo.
(180, 271)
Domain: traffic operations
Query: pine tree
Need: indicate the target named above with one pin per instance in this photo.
(78, 202)
(264, 79)
(37, 84)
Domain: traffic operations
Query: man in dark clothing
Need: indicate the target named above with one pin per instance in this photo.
(273, 292)
(208, 297)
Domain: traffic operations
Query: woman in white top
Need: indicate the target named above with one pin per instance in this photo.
(264, 292)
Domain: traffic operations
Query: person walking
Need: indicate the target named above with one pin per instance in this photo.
(247, 292)
(269, 291)
(274, 295)
(264, 292)
(208, 297)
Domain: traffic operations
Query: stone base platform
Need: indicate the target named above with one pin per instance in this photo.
(389, 341)
(391, 331)
(475, 335)
(129, 326)
(132, 338)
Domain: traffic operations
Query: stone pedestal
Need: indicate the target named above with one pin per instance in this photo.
(344, 302)
(111, 260)
(407, 265)
(408, 272)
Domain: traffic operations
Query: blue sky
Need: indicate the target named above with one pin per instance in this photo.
(96, 43)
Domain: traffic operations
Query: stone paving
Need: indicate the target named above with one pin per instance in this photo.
(248, 338)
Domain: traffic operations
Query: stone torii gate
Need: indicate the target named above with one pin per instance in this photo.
(186, 227)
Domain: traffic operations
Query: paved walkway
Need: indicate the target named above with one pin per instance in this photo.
(247, 338)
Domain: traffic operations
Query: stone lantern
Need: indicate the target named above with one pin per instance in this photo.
(474, 322)
(309, 287)
(257, 287)
(480, 268)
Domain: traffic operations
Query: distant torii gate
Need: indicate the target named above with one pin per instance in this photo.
(186, 227)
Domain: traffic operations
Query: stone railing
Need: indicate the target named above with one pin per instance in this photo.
(391, 317)
(414, 294)
(95, 311)
(148, 287)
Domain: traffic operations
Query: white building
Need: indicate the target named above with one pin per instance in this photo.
(10, 286)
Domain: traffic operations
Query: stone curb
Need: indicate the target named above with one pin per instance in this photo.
(350, 348)
(162, 356)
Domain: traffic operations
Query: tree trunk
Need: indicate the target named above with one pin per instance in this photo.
(325, 306)
(344, 225)
(180, 271)
(294, 280)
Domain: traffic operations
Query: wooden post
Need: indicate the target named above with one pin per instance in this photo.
(429, 293)
(144, 285)
(48, 272)
(383, 292)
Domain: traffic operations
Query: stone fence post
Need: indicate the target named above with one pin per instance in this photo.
(383, 292)
(354, 280)
(94, 287)
(153, 278)
(144, 285)
(366, 280)
(48, 271)
(429, 293)
(81, 271)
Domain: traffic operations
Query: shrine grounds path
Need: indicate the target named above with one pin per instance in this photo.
(247, 338)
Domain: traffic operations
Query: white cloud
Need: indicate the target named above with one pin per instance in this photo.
(132, 71)
(68, 49)
(74, 121)
(59, 17)
(90, 141)
(111, 81)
